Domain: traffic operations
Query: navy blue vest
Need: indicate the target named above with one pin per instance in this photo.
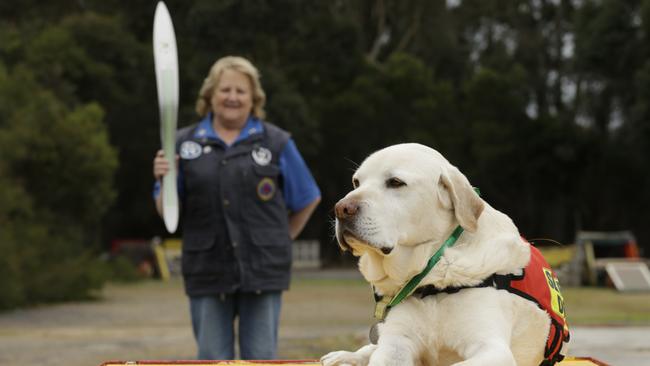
(234, 218)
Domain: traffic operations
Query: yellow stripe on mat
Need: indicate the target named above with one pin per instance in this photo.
(212, 363)
(581, 361)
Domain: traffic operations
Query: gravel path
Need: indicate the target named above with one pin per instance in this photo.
(619, 346)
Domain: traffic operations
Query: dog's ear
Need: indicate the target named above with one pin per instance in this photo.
(459, 195)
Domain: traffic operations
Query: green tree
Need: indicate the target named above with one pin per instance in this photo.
(399, 101)
(57, 168)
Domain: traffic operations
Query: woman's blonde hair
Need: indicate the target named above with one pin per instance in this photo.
(236, 63)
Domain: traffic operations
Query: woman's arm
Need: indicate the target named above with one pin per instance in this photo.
(298, 219)
(159, 202)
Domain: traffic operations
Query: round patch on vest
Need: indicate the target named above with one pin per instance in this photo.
(262, 156)
(265, 189)
(190, 150)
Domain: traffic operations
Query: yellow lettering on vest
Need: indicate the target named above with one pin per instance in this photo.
(557, 301)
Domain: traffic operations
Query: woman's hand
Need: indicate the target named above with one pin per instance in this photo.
(160, 168)
(160, 165)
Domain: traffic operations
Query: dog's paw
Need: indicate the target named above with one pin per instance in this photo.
(343, 358)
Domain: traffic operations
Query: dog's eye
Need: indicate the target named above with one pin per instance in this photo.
(394, 183)
(355, 183)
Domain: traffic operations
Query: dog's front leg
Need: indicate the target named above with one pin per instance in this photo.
(493, 353)
(393, 350)
(345, 358)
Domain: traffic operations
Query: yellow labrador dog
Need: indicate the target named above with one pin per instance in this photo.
(407, 201)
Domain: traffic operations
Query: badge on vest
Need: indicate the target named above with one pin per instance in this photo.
(265, 189)
(190, 150)
(262, 156)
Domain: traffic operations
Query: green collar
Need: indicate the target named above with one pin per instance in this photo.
(385, 304)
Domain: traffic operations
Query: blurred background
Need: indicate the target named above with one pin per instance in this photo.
(543, 104)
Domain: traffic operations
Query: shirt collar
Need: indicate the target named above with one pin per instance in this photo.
(205, 130)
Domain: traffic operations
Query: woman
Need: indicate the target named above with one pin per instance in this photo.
(245, 194)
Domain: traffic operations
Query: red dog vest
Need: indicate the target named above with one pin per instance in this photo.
(539, 284)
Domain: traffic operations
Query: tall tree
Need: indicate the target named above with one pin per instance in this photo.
(57, 169)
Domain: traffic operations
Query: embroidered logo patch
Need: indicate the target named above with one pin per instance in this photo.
(190, 150)
(262, 156)
(265, 189)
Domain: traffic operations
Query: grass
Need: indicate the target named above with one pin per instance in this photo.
(585, 305)
(604, 306)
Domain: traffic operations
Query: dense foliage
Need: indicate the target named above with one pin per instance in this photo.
(543, 104)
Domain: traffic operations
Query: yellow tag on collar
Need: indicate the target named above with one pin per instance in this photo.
(381, 308)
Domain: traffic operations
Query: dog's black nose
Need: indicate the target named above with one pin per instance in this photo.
(345, 209)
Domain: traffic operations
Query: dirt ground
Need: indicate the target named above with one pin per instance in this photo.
(323, 311)
(150, 320)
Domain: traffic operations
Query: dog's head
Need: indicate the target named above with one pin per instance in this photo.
(404, 195)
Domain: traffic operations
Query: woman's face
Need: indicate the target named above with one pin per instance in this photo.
(232, 99)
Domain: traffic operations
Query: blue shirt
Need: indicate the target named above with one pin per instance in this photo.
(299, 187)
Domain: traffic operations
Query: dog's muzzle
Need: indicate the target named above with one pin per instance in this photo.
(347, 211)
